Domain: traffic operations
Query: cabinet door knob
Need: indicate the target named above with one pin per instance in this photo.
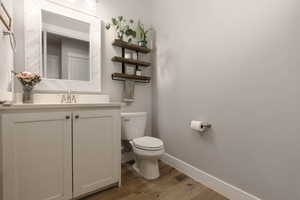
(76, 116)
(67, 117)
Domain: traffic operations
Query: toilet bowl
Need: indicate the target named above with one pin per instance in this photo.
(147, 150)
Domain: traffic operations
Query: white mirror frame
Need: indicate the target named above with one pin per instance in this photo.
(33, 47)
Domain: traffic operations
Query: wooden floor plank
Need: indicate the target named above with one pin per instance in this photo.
(172, 185)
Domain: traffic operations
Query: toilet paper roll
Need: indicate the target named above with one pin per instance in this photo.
(198, 126)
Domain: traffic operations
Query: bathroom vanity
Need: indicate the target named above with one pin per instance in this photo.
(59, 151)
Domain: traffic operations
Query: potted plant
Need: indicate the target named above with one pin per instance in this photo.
(123, 27)
(142, 34)
(28, 81)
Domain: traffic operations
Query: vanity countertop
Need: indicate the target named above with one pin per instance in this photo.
(59, 106)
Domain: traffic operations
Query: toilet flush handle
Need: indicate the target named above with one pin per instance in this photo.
(126, 120)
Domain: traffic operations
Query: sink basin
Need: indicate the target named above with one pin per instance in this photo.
(56, 99)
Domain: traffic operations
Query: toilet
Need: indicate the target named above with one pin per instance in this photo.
(147, 149)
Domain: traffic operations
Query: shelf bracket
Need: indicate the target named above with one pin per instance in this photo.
(123, 64)
(137, 57)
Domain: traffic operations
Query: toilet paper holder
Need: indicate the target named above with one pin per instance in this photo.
(205, 125)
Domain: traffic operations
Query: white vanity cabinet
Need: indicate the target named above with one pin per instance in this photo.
(59, 154)
(96, 150)
(37, 156)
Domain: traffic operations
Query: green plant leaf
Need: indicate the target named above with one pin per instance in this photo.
(120, 18)
(133, 34)
(130, 32)
(107, 26)
(114, 21)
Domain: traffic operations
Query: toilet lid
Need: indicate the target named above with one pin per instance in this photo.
(148, 143)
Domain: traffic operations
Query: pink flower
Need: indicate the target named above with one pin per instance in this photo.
(26, 75)
(28, 78)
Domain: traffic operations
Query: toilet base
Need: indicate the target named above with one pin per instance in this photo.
(146, 162)
(147, 168)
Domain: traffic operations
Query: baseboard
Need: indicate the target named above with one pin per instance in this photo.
(227, 190)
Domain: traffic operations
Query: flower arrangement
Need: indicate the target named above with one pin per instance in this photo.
(122, 27)
(28, 81)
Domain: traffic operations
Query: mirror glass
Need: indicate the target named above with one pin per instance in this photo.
(65, 48)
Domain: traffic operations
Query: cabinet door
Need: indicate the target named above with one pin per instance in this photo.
(37, 156)
(96, 150)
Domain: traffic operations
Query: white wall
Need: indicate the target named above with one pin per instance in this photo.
(106, 9)
(136, 9)
(236, 64)
(6, 58)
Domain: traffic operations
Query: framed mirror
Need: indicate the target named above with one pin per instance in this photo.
(64, 46)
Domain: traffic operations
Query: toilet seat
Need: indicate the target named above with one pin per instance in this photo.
(148, 143)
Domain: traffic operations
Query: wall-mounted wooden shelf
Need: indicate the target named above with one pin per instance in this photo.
(131, 46)
(122, 77)
(138, 63)
(130, 61)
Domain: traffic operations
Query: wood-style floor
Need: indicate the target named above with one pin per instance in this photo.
(172, 185)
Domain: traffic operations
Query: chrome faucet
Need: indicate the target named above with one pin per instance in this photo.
(73, 99)
(63, 99)
(68, 98)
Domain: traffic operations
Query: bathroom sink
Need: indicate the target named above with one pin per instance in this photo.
(41, 99)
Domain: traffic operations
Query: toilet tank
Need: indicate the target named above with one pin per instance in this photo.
(133, 125)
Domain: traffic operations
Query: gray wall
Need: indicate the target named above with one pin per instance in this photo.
(234, 63)
(136, 9)
(106, 9)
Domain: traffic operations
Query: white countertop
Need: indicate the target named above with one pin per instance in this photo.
(58, 106)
